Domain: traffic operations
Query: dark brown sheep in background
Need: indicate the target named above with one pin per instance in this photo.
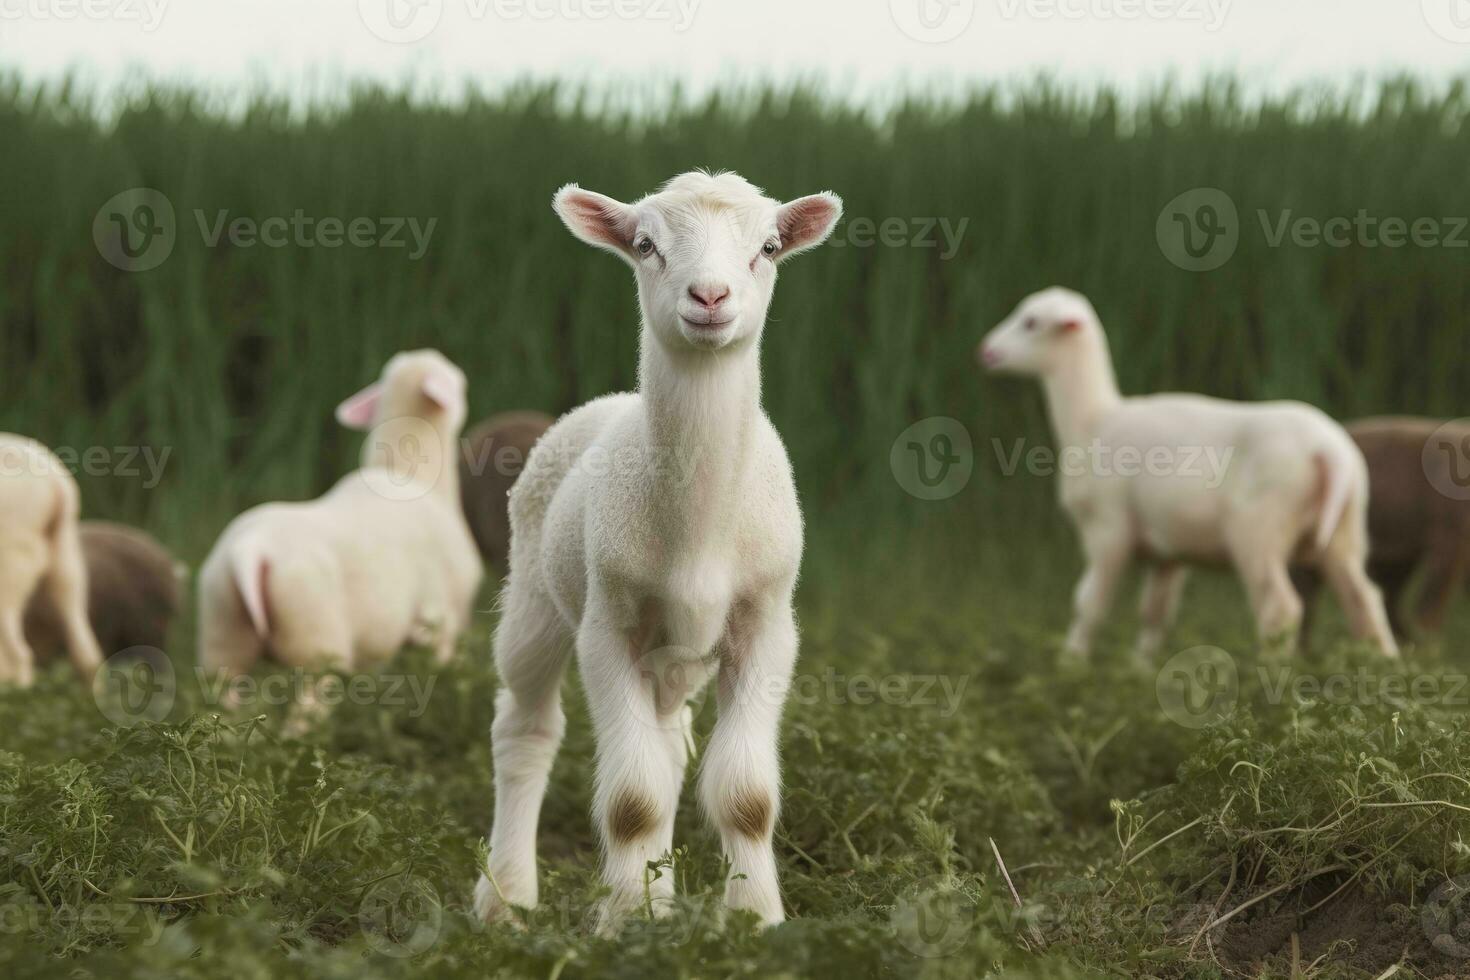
(133, 592)
(493, 455)
(1418, 516)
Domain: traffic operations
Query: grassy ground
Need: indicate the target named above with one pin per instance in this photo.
(1315, 831)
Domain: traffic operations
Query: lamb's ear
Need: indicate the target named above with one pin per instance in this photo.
(443, 392)
(807, 221)
(359, 411)
(597, 219)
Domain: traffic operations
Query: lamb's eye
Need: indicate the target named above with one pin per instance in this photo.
(1031, 323)
(645, 245)
(769, 249)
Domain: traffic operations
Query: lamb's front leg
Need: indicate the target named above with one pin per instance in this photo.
(636, 786)
(1109, 550)
(741, 779)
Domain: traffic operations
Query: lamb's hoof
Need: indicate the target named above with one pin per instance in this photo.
(490, 907)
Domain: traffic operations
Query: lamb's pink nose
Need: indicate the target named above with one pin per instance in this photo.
(709, 296)
(989, 356)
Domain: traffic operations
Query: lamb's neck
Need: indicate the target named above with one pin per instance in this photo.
(702, 409)
(419, 450)
(1080, 392)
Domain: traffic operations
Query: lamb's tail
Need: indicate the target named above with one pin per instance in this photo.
(251, 570)
(1335, 477)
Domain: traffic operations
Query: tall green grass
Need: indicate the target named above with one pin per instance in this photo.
(234, 357)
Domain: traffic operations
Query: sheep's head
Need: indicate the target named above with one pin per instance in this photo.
(1042, 331)
(419, 384)
(704, 248)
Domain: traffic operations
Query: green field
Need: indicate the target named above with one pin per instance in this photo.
(1310, 821)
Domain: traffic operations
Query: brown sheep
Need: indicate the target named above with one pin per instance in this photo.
(132, 592)
(493, 455)
(1418, 515)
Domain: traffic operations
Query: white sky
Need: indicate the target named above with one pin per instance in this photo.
(860, 47)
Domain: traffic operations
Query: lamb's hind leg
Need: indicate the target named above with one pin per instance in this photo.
(1257, 551)
(741, 780)
(66, 584)
(531, 649)
(1362, 603)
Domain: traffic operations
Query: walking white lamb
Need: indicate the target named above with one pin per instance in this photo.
(1184, 479)
(40, 554)
(658, 534)
(382, 559)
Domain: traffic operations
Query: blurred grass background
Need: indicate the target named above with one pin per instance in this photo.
(234, 357)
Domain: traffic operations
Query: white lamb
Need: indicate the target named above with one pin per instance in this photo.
(658, 533)
(1184, 479)
(383, 558)
(40, 549)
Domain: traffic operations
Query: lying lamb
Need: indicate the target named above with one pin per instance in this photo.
(133, 587)
(1418, 516)
(1294, 486)
(346, 580)
(40, 550)
(493, 456)
(660, 576)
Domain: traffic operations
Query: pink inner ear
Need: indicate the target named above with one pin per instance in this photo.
(807, 220)
(596, 217)
(441, 391)
(359, 411)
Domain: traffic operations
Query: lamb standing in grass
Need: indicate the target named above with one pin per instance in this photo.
(40, 550)
(494, 454)
(381, 560)
(1293, 486)
(659, 534)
